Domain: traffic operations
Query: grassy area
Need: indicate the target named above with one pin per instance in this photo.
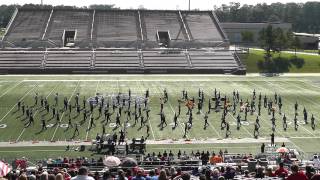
(304, 90)
(312, 63)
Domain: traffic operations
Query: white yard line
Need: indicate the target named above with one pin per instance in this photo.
(173, 113)
(309, 83)
(152, 133)
(212, 127)
(17, 103)
(235, 118)
(9, 89)
(24, 129)
(263, 120)
(243, 126)
(92, 112)
(288, 100)
(306, 97)
(54, 133)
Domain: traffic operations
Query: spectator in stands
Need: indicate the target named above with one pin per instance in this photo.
(296, 174)
(230, 173)
(139, 175)
(173, 172)
(107, 175)
(163, 175)
(309, 171)
(121, 175)
(269, 172)
(23, 176)
(59, 176)
(129, 174)
(316, 162)
(215, 174)
(281, 170)
(152, 175)
(246, 174)
(44, 176)
(184, 176)
(315, 177)
(260, 172)
(82, 174)
(207, 174)
(51, 177)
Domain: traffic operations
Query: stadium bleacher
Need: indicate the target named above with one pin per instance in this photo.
(202, 26)
(61, 20)
(160, 60)
(163, 21)
(114, 28)
(68, 60)
(20, 59)
(116, 60)
(212, 60)
(28, 26)
(116, 41)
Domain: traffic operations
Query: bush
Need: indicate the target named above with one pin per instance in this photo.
(297, 62)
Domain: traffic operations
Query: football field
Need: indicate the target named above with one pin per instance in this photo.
(303, 90)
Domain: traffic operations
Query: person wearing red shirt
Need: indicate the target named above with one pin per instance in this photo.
(296, 174)
(281, 171)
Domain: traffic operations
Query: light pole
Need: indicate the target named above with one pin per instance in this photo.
(189, 4)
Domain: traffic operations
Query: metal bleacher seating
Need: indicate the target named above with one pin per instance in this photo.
(20, 60)
(116, 41)
(163, 21)
(115, 26)
(68, 60)
(117, 60)
(163, 60)
(212, 60)
(202, 26)
(61, 20)
(28, 25)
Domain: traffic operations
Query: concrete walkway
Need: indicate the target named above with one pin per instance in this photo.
(151, 142)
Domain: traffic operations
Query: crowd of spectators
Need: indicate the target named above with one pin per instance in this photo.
(76, 169)
(167, 173)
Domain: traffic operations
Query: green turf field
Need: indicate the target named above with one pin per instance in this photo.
(304, 90)
(311, 65)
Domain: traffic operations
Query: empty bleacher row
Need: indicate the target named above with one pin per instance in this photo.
(20, 60)
(118, 60)
(68, 60)
(111, 26)
(212, 60)
(164, 60)
(28, 25)
(163, 21)
(61, 20)
(201, 26)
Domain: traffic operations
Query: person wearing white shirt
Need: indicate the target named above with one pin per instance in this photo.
(82, 174)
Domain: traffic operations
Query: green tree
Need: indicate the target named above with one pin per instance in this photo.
(247, 36)
(281, 40)
(295, 44)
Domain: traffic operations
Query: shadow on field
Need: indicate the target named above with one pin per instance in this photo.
(280, 64)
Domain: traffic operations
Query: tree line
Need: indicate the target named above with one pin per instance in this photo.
(305, 17)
